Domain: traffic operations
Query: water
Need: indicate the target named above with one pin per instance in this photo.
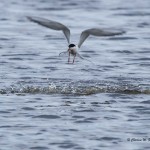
(49, 104)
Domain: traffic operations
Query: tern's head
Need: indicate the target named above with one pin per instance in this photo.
(72, 49)
(71, 45)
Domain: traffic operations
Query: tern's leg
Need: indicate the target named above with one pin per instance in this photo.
(69, 58)
(74, 58)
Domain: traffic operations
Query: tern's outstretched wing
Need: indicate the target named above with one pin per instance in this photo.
(52, 25)
(97, 32)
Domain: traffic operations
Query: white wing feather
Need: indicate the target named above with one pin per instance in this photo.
(97, 32)
(52, 25)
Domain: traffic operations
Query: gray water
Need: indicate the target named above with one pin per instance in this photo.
(46, 103)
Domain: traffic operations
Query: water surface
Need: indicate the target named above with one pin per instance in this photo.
(49, 104)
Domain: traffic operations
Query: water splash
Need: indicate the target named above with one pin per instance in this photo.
(76, 88)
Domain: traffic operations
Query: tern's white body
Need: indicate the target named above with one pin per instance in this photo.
(73, 50)
(84, 35)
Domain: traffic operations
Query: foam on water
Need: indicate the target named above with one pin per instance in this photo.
(76, 88)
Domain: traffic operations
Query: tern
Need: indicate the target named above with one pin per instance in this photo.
(72, 48)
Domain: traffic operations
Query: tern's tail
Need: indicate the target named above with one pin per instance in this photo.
(83, 58)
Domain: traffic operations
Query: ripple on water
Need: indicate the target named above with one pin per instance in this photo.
(108, 139)
(47, 116)
(39, 148)
(146, 102)
(134, 14)
(28, 108)
(65, 144)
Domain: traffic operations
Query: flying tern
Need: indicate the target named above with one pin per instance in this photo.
(72, 48)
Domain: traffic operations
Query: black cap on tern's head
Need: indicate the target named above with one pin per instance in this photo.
(71, 45)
